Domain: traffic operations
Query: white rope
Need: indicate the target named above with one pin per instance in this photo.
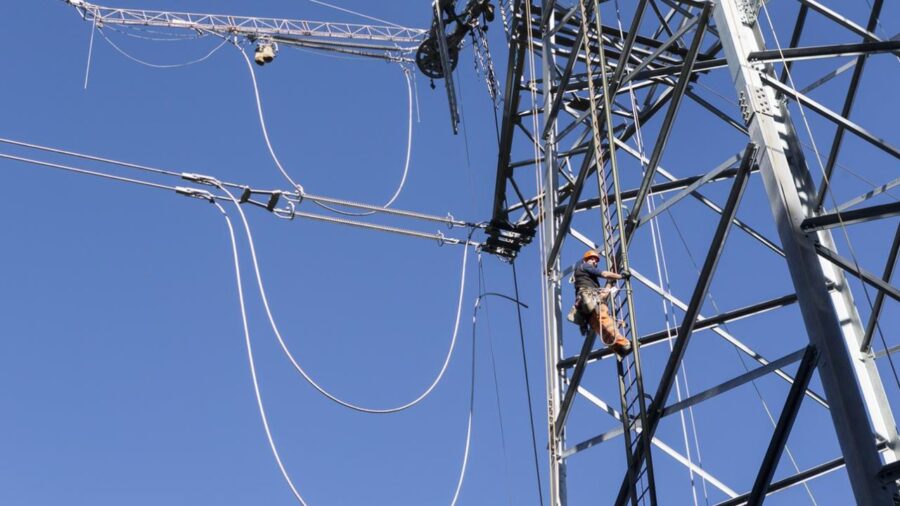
(265, 131)
(259, 401)
(87, 69)
(465, 462)
(155, 65)
(262, 119)
(303, 372)
(409, 131)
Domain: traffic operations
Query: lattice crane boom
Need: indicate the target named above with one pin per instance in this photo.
(390, 42)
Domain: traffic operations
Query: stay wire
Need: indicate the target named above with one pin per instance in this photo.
(303, 372)
(256, 389)
(829, 189)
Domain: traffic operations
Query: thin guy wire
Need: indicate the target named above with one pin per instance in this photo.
(259, 401)
(303, 372)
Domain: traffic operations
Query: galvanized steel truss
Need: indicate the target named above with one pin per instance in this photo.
(662, 53)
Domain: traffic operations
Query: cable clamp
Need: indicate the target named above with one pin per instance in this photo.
(450, 220)
(298, 197)
(195, 193)
(280, 213)
(441, 239)
(200, 178)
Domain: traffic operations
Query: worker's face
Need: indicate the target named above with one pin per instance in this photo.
(593, 261)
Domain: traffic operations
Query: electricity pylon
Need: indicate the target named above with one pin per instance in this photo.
(598, 91)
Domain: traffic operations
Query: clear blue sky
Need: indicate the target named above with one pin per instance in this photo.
(123, 370)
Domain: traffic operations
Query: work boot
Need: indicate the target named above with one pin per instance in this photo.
(621, 346)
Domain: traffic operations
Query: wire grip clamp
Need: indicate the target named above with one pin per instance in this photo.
(195, 193)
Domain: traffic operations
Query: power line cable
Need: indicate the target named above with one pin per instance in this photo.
(447, 220)
(256, 390)
(300, 369)
(88, 172)
(90, 157)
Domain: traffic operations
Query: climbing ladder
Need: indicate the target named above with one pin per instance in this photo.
(615, 253)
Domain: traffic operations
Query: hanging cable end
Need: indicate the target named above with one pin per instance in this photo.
(195, 193)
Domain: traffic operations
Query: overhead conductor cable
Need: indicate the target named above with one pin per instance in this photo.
(303, 372)
(259, 401)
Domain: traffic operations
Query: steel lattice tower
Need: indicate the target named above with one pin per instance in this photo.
(595, 93)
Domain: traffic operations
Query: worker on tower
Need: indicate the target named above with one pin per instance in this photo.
(590, 302)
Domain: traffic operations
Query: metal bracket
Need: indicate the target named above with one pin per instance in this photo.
(756, 103)
(749, 11)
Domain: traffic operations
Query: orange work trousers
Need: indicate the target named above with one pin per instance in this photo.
(604, 325)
